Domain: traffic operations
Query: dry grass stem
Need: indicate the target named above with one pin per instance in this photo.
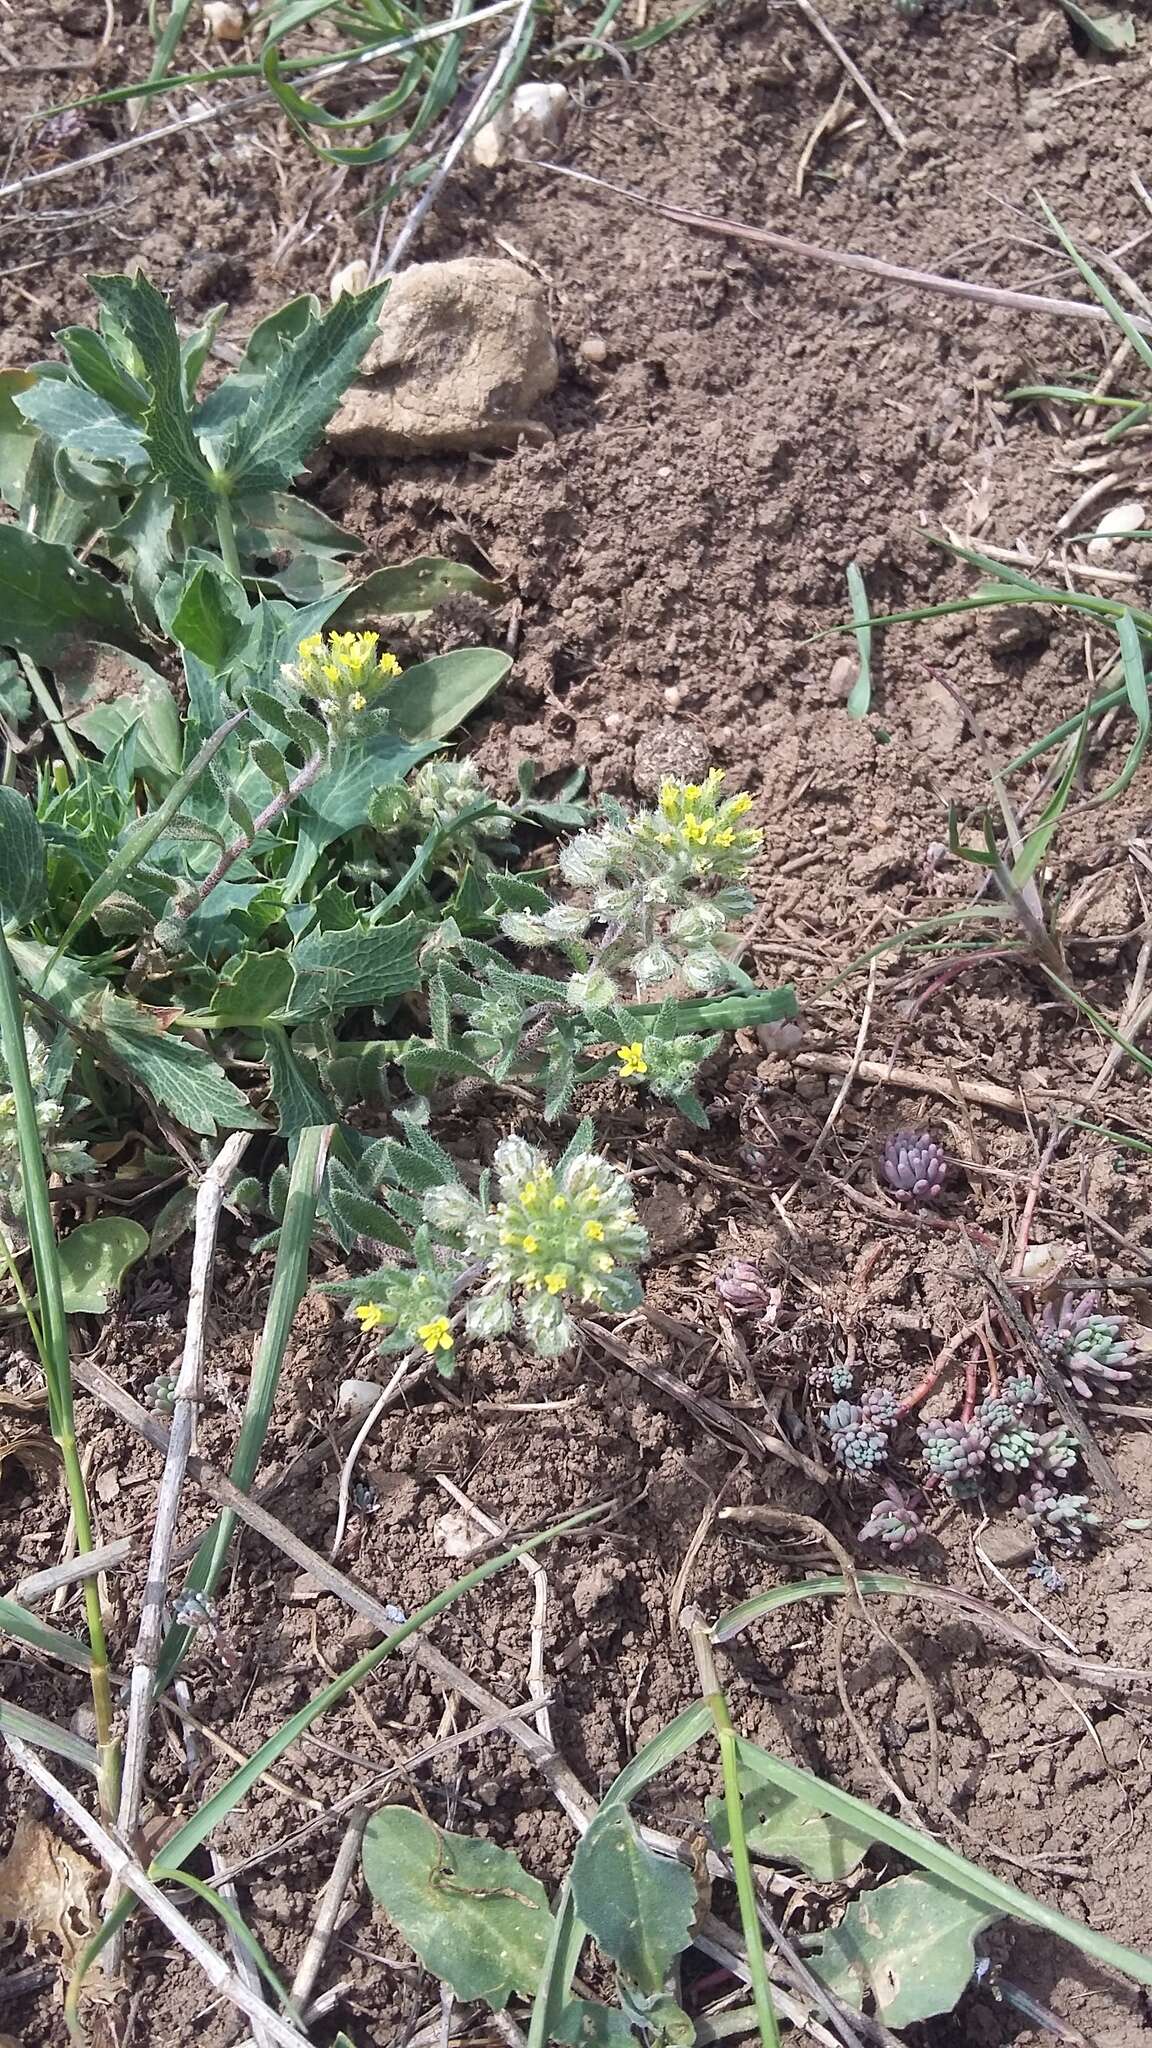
(537, 1683)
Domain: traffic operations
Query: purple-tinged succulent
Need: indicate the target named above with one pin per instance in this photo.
(1087, 1346)
(1014, 1450)
(1023, 1390)
(894, 1522)
(1062, 1520)
(1057, 1452)
(831, 1376)
(881, 1405)
(914, 1166)
(857, 1443)
(742, 1287)
(998, 1411)
(956, 1453)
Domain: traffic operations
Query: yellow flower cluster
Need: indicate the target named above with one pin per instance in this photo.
(435, 1335)
(694, 815)
(554, 1220)
(343, 671)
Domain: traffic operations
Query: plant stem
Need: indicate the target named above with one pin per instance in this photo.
(308, 774)
(54, 1352)
(43, 696)
(737, 1843)
(226, 535)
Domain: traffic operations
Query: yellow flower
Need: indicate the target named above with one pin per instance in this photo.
(603, 1262)
(370, 1315)
(359, 702)
(436, 1335)
(594, 1231)
(559, 1202)
(529, 1244)
(557, 1280)
(632, 1061)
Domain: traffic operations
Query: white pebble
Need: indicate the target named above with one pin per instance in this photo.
(1114, 524)
(353, 278)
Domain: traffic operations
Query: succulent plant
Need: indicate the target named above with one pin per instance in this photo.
(1062, 1520)
(832, 1376)
(857, 1443)
(893, 1522)
(742, 1287)
(1057, 1452)
(998, 1411)
(915, 1167)
(1086, 1345)
(160, 1394)
(956, 1453)
(1014, 1450)
(1023, 1390)
(881, 1405)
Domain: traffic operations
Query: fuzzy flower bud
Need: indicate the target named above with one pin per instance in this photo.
(594, 990)
(914, 1166)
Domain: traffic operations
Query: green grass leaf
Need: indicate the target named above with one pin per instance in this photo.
(860, 695)
(275, 434)
(49, 600)
(908, 1946)
(23, 870)
(146, 318)
(1112, 33)
(48, 1735)
(637, 1906)
(468, 1908)
(27, 1628)
(93, 1260)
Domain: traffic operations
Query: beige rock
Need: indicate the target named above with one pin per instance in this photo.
(354, 277)
(464, 353)
(224, 21)
(534, 115)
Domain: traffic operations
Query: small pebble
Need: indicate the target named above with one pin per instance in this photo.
(673, 697)
(224, 21)
(594, 348)
(356, 1397)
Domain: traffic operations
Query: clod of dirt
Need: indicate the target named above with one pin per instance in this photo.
(671, 751)
(464, 353)
(353, 277)
(534, 117)
(1007, 1544)
(223, 21)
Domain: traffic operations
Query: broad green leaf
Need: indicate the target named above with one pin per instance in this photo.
(295, 1087)
(104, 693)
(96, 365)
(183, 1079)
(222, 407)
(23, 873)
(783, 1829)
(48, 600)
(338, 971)
(907, 1946)
(1112, 33)
(47, 1735)
(212, 618)
(28, 1628)
(638, 1907)
(17, 436)
(433, 698)
(93, 1260)
(253, 989)
(339, 802)
(146, 318)
(275, 434)
(15, 696)
(470, 1911)
(585, 2023)
(76, 418)
(410, 587)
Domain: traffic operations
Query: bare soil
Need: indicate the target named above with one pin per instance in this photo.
(730, 430)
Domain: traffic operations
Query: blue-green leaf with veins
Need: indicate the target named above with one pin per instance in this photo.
(212, 617)
(146, 318)
(637, 1906)
(338, 971)
(49, 600)
(908, 1946)
(272, 439)
(76, 418)
(23, 873)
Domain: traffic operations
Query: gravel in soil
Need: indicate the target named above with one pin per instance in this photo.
(730, 430)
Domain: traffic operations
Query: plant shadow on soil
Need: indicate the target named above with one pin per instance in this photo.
(749, 430)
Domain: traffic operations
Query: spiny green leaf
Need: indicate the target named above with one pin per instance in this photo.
(146, 318)
(93, 1260)
(185, 1080)
(639, 1907)
(471, 1912)
(76, 418)
(49, 600)
(908, 1946)
(295, 1087)
(97, 366)
(275, 434)
(23, 873)
(338, 971)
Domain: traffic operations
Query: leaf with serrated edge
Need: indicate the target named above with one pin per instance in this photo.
(637, 1906)
(467, 1907)
(212, 618)
(146, 318)
(23, 875)
(275, 434)
(76, 418)
(342, 970)
(908, 1946)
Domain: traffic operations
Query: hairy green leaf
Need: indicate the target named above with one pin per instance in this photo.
(76, 418)
(295, 1087)
(48, 600)
(468, 1908)
(908, 1946)
(93, 1260)
(639, 1907)
(146, 318)
(433, 698)
(338, 971)
(97, 366)
(253, 989)
(212, 618)
(23, 875)
(275, 434)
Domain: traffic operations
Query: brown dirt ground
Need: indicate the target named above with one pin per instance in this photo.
(752, 427)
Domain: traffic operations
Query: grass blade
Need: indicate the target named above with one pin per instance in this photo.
(1136, 692)
(1111, 304)
(27, 1628)
(289, 1280)
(860, 695)
(189, 1837)
(47, 1735)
